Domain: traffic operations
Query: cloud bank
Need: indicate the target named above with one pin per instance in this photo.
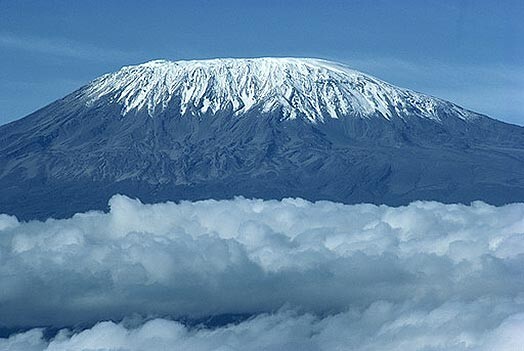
(380, 327)
(314, 276)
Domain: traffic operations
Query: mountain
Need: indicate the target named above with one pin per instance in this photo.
(264, 127)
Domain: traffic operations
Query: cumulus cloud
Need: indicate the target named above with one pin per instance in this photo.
(382, 326)
(317, 276)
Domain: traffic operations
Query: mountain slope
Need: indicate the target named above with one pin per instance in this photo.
(267, 128)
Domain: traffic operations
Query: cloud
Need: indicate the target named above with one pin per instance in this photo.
(382, 326)
(312, 275)
(63, 47)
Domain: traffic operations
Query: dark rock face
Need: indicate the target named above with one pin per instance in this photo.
(67, 158)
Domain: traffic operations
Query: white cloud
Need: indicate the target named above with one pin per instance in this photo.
(62, 47)
(424, 276)
(382, 326)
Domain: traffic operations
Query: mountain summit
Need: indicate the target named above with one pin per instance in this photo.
(309, 88)
(264, 127)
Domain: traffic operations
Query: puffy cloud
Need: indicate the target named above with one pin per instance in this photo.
(382, 326)
(314, 276)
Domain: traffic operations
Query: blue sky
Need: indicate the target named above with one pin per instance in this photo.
(469, 52)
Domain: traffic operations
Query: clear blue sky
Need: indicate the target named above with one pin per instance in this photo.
(469, 52)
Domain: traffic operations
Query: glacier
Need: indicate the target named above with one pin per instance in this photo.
(312, 88)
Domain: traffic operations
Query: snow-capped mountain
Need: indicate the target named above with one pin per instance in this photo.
(311, 88)
(266, 127)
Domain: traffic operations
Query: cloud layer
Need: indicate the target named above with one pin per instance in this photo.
(380, 327)
(315, 276)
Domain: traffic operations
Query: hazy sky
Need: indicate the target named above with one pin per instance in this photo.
(469, 52)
